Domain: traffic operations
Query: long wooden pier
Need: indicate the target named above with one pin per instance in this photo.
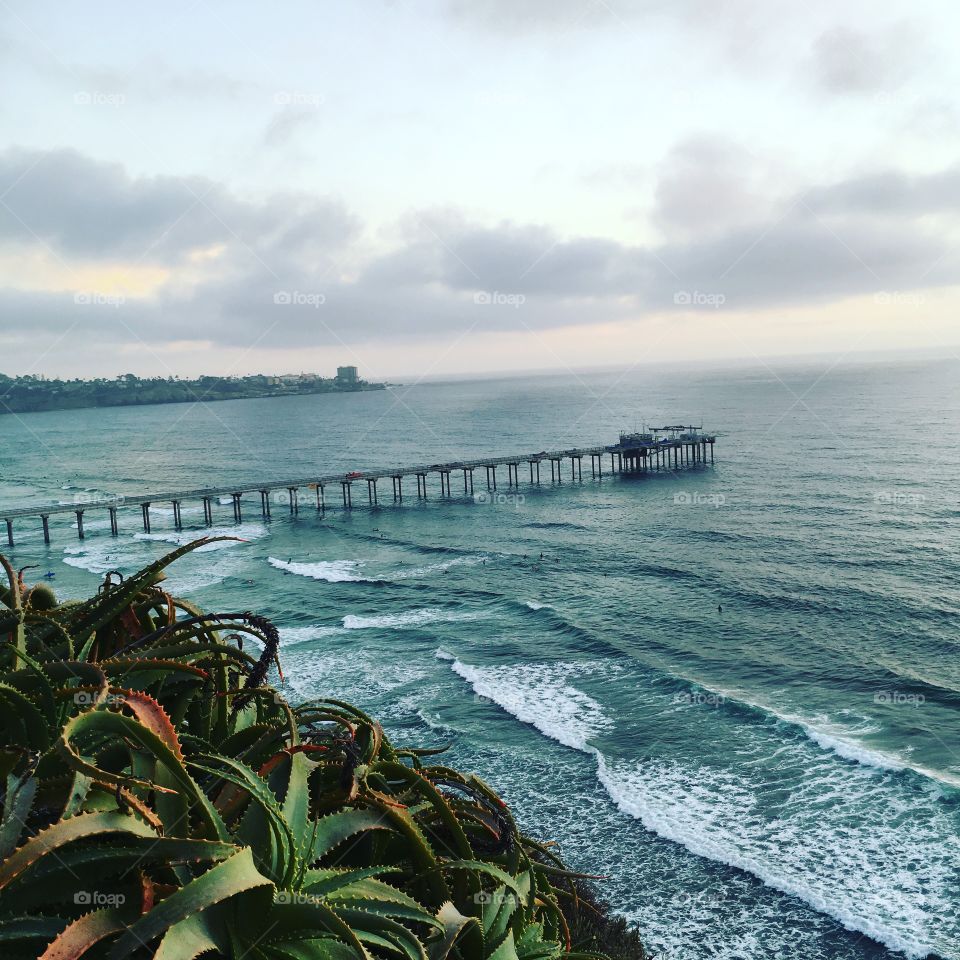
(661, 448)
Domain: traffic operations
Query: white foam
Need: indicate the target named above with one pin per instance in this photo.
(878, 860)
(330, 571)
(441, 567)
(290, 636)
(888, 876)
(410, 618)
(537, 605)
(242, 531)
(541, 695)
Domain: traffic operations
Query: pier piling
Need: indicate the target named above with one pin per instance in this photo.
(657, 448)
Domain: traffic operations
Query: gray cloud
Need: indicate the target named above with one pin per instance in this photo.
(85, 208)
(297, 277)
(848, 61)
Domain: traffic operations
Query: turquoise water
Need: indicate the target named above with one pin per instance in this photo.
(779, 778)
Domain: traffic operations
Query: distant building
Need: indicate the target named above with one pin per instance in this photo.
(347, 375)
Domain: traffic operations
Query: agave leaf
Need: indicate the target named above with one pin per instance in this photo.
(197, 934)
(372, 926)
(230, 878)
(22, 720)
(323, 883)
(64, 832)
(85, 933)
(479, 866)
(334, 828)
(453, 923)
(263, 826)
(104, 723)
(16, 808)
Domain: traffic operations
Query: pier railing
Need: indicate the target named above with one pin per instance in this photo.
(634, 453)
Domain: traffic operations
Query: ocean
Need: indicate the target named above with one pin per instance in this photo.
(732, 692)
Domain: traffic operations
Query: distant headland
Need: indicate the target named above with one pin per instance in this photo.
(29, 394)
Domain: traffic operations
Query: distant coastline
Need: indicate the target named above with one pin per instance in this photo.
(33, 394)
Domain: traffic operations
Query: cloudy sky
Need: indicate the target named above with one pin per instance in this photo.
(443, 186)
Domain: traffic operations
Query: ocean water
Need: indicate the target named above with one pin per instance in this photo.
(781, 778)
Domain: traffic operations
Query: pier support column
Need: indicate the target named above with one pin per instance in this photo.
(208, 511)
(46, 527)
(372, 491)
(177, 523)
(145, 510)
(421, 486)
(79, 514)
(711, 452)
(347, 496)
(265, 504)
(237, 515)
(321, 499)
(465, 491)
(398, 488)
(294, 503)
(9, 532)
(113, 521)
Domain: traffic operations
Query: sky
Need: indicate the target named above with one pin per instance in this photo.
(433, 187)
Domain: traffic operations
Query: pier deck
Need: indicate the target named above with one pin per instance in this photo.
(633, 453)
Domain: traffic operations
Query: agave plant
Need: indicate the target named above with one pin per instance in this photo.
(161, 798)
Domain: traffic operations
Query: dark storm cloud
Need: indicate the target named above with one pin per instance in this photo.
(290, 273)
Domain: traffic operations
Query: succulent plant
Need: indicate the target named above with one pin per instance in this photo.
(161, 798)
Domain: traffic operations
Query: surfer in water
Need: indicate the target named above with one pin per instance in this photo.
(719, 608)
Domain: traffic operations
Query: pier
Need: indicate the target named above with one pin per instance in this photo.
(654, 449)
